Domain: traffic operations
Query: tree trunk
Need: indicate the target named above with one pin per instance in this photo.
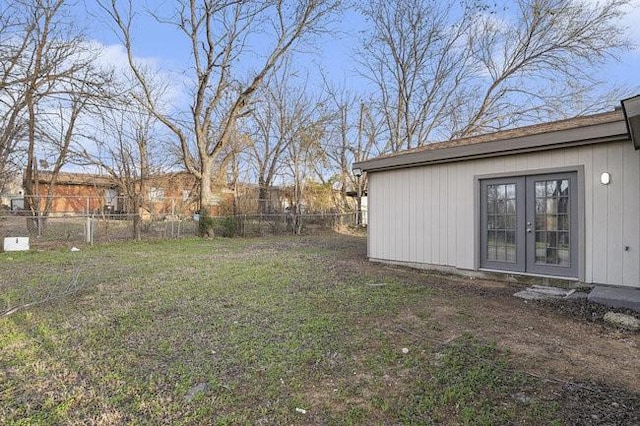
(205, 191)
(136, 202)
(30, 174)
(263, 193)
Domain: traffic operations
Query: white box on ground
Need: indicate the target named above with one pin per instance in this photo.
(16, 243)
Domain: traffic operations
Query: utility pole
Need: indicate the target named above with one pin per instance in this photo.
(358, 172)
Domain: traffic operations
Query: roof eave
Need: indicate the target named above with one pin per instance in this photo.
(598, 133)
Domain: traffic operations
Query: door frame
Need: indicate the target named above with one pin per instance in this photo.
(520, 263)
(545, 269)
(580, 202)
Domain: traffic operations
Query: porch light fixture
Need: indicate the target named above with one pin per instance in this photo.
(631, 109)
(605, 178)
(357, 172)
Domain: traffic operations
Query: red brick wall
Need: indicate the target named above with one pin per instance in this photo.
(74, 198)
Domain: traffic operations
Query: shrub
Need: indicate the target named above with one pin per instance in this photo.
(227, 227)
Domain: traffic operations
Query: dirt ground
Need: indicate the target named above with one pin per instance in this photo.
(593, 368)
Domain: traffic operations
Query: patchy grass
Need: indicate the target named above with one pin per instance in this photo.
(242, 332)
(473, 384)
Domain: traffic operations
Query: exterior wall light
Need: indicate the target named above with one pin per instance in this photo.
(605, 178)
(357, 172)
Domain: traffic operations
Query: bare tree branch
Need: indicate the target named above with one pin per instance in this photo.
(445, 71)
(217, 33)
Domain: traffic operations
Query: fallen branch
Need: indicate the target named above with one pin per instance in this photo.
(53, 293)
(37, 302)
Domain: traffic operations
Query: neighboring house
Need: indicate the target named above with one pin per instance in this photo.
(170, 193)
(11, 196)
(280, 199)
(248, 199)
(177, 194)
(165, 194)
(77, 193)
(559, 199)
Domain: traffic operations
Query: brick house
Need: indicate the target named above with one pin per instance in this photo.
(165, 194)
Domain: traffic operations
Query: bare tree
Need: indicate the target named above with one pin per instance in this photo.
(288, 127)
(353, 136)
(272, 127)
(443, 70)
(305, 129)
(218, 35)
(126, 147)
(369, 131)
(417, 57)
(541, 65)
(15, 32)
(339, 147)
(51, 81)
(234, 161)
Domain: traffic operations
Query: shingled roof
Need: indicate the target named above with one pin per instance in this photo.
(71, 178)
(580, 130)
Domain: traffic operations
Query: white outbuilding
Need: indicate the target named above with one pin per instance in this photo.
(559, 199)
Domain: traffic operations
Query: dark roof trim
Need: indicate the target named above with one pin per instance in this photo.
(631, 109)
(587, 135)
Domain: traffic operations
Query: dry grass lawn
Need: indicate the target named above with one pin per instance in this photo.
(292, 330)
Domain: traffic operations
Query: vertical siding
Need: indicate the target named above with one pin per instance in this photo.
(393, 237)
(421, 205)
(599, 227)
(426, 214)
(465, 234)
(443, 231)
(413, 217)
(403, 213)
(631, 221)
(435, 215)
(585, 158)
(393, 244)
(615, 209)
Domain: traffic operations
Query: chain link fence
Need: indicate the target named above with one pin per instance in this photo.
(75, 229)
(280, 224)
(83, 229)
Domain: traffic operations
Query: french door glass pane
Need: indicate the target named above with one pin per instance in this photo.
(501, 223)
(552, 243)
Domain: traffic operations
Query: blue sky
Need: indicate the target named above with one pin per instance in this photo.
(333, 53)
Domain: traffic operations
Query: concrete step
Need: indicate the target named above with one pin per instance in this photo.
(616, 297)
